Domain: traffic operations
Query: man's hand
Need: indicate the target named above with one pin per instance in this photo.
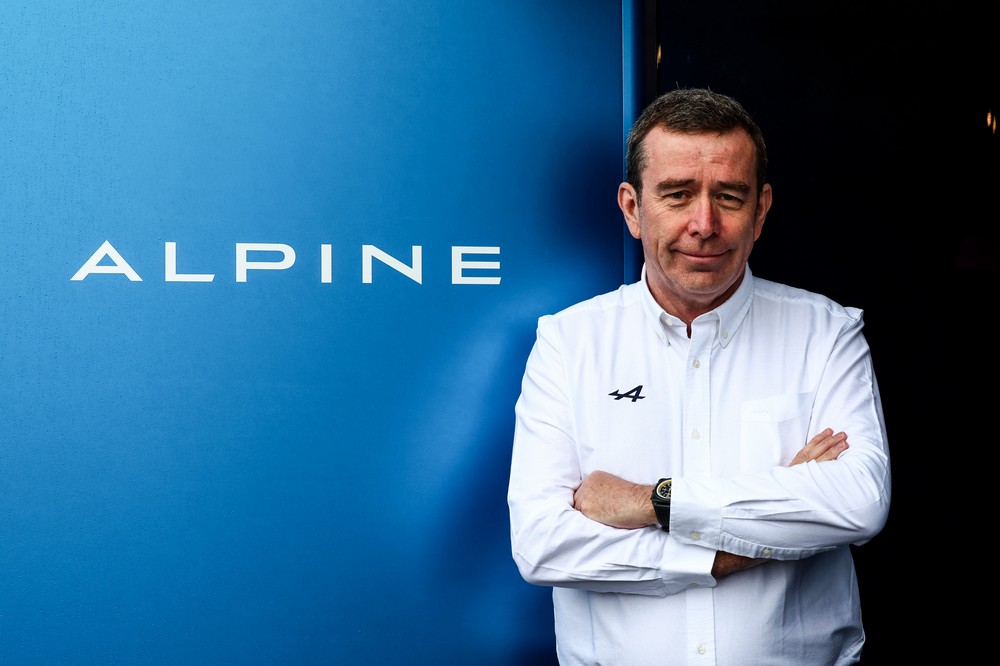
(612, 500)
(824, 446)
(727, 563)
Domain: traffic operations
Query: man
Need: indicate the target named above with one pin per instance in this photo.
(681, 474)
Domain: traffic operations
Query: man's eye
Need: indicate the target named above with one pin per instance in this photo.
(730, 201)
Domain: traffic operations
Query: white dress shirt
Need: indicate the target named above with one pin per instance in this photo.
(614, 383)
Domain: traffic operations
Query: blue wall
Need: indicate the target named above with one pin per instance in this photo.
(305, 466)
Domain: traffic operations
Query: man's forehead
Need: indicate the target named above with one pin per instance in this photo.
(661, 137)
(675, 153)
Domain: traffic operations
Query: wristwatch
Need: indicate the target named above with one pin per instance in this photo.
(661, 502)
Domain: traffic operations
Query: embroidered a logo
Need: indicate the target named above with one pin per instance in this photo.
(633, 394)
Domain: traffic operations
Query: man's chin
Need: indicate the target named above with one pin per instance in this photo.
(709, 284)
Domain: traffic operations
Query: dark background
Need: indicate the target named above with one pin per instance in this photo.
(885, 198)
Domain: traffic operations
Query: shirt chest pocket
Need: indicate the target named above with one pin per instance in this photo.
(772, 430)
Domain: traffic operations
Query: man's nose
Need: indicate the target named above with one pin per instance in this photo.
(704, 220)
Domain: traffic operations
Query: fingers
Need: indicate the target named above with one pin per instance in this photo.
(825, 446)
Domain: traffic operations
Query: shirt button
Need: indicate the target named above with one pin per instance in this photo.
(725, 333)
(702, 649)
(695, 536)
(767, 552)
(695, 434)
(696, 363)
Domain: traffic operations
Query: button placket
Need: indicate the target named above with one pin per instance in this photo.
(697, 460)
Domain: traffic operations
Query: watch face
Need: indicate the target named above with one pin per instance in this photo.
(663, 490)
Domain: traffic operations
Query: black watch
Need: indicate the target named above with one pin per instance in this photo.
(661, 502)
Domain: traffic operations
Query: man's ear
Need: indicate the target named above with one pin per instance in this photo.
(763, 205)
(628, 201)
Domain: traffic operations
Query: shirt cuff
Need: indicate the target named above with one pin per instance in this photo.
(687, 566)
(695, 512)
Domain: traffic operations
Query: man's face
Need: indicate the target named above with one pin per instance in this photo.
(698, 217)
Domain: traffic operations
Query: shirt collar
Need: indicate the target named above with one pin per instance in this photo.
(730, 314)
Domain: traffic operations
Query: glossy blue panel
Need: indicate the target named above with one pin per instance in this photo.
(302, 467)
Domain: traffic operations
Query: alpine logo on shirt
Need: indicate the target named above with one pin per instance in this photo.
(633, 394)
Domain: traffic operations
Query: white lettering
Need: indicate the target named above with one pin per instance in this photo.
(243, 265)
(170, 273)
(458, 264)
(370, 251)
(463, 265)
(326, 263)
(93, 264)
